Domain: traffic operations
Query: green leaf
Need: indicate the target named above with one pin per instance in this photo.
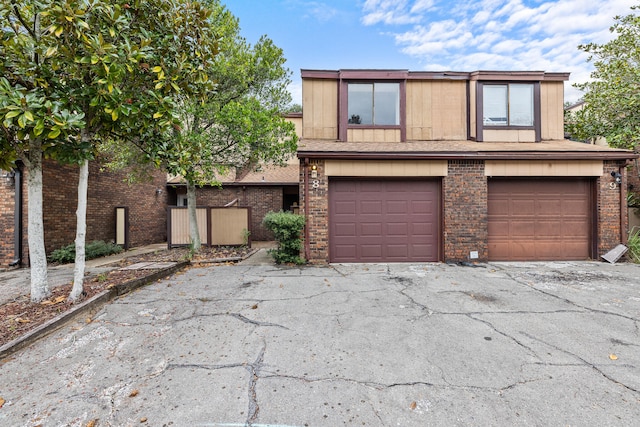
(11, 114)
(54, 133)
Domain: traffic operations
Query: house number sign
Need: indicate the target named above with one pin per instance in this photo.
(315, 184)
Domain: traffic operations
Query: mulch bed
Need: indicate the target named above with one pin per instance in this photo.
(20, 316)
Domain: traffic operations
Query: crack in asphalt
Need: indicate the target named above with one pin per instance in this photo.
(254, 372)
(584, 363)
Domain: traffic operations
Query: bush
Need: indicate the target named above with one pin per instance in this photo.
(287, 228)
(633, 243)
(93, 250)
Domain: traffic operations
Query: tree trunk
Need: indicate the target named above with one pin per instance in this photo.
(81, 233)
(37, 254)
(194, 234)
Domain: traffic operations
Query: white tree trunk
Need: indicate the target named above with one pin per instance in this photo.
(81, 232)
(194, 234)
(37, 254)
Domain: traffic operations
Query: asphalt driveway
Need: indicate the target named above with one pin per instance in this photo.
(375, 345)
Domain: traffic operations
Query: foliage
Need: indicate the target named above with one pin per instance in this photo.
(95, 249)
(287, 228)
(612, 96)
(633, 243)
(633, 199)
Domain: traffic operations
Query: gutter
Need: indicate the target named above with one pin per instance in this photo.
(467, 155)
(17, 217)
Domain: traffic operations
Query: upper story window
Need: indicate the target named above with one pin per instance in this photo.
(374, 104)
(508, 105)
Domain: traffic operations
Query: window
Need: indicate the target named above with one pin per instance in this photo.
(508, 105)
(376, 104)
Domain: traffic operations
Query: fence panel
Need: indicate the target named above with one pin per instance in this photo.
(178, 222)
(230, 226)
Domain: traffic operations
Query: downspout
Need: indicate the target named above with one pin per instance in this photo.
(17, 217)
(307, 246)
(623, 205)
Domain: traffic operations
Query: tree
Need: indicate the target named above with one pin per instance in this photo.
(236, 124)
(612, 96)
(35, 120)
(116, 65)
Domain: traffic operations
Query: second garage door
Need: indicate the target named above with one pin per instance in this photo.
(384, 220)
(539, 219)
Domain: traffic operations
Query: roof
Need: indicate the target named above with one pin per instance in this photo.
(461, 149)
(267, 175)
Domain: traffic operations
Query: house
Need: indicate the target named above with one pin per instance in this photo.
(142, 209)
(404, 166)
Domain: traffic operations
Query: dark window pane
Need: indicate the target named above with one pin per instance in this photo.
(387, 104)
(360, 100)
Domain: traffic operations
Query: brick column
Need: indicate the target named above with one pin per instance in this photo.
(316, 210)
(465, 211)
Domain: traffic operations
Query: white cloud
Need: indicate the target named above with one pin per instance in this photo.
(498, 34)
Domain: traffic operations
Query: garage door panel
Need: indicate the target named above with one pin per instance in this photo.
(395, 220)
(546, 219)
(345, 207)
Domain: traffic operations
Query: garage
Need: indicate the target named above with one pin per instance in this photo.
(539, 219)
(384, 220)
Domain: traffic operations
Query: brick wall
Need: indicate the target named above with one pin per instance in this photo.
(465, 211)
(612, 214)
(7, 194)
(147, 209)
(261, 199)
(317, 213)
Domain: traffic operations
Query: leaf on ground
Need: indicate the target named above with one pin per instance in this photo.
(143, 419)
(21, 320)
(2, 401)
(613, 357)
(254, 307)
(134, 393)
(413, 405)
(92, 423)
(56, 300)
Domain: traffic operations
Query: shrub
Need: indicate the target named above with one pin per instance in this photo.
(287, 228)
(95, 249)
(633, 243)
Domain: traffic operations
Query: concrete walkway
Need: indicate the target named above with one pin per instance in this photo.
(16, 282)
(371, 344)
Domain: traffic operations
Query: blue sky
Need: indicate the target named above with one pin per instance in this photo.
(432, 35)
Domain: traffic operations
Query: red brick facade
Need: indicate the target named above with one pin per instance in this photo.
(147, 209)
(612, 208)
(464, 212)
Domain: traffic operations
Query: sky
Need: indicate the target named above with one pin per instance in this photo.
(432, 35)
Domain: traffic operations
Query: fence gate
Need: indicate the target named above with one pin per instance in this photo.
(218, 226)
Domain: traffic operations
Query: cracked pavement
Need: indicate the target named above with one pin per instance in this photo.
(374, 344)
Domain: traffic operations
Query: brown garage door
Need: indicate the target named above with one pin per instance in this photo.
(539, 219)
(384, 220)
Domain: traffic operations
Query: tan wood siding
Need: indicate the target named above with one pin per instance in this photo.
(389, 168)
(373, 135)
(509, 135)
(552, 110)
(436, 110)
(543, 168)
(320, 100)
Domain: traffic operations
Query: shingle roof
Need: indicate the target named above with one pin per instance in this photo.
(458, 149)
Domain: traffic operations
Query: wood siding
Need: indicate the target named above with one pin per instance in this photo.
(552, 110)
(373, 135)
(436, 110)
(509, 135)
(320, 100)
(543, 168)
(387, 168)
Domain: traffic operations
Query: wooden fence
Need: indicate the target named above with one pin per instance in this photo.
(218, 226)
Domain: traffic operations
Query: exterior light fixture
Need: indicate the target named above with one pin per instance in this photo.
(617, 177)
(314, 171)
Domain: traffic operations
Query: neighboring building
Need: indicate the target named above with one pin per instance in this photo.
(146, 204)
(452, 166)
